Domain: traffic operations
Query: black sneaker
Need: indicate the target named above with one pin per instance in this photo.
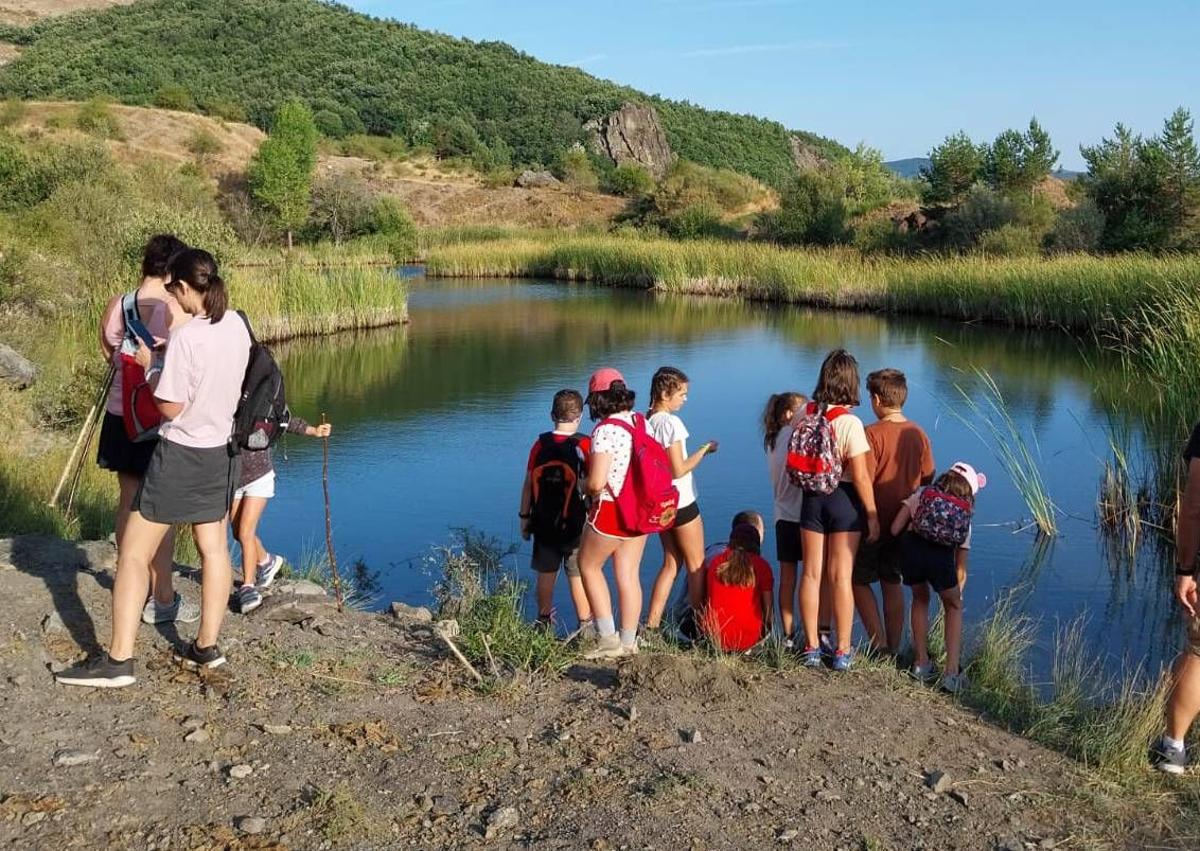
(101, 672)
(194, 657)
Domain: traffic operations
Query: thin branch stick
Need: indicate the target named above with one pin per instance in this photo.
(487, 647)
(337, 579)
(62, 480)
(458, 654)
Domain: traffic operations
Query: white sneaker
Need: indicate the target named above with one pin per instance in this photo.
(180, 611)
(607, 647)
(267, 572)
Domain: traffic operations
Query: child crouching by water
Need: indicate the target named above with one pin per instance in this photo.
(739, 585)
(934, 553)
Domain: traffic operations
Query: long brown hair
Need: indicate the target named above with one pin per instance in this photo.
(955, 484)
(778, 413)
(838, 384)
(666, 380)
(738, 568)
(198, 269)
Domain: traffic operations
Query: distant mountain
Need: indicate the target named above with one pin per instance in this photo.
(910, 167)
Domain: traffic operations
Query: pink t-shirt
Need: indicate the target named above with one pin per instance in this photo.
(204, 368)
(158, 324)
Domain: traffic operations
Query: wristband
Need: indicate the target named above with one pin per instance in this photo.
(1185, 571)
(525, 516)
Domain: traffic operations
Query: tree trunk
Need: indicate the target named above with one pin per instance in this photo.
(289, 239)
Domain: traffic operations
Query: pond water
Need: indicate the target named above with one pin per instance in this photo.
(433, 423)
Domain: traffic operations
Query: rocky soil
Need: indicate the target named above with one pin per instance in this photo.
(360, 731)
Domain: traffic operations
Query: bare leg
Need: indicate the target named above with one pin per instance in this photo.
(139, 541)
(1183, 704)
(627, 565)
(825, 613)
(842, 546)
(868, 612)
(660, 594)
(787, 597)
(247, 512)
(579, 597)
(689, 540)
(810, 585)
(545, 594)
(594, 550)
(216, 578)
(952, 613)
(920, 623)
(161, 585)
(893, 613)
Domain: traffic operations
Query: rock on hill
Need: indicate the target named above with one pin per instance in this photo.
(362, 74)
(27, 11)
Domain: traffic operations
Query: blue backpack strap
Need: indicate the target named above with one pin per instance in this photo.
(134, 327)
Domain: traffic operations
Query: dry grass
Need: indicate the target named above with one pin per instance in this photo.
(28, 11)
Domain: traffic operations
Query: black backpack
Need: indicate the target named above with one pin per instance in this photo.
(557, 507)
(262, 412)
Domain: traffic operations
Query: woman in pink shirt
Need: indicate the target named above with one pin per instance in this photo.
(191, 476)
(116, 452)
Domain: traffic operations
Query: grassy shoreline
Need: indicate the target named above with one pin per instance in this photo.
(1075, 292)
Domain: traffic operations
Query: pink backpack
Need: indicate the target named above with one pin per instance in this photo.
(813, 462)
(648, 500)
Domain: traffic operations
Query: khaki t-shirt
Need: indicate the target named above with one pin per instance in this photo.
(903, 461)
(851, 441)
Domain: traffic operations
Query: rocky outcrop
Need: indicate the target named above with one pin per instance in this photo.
(15, 369)
(535, 179)
(805, 156)
(634, 134)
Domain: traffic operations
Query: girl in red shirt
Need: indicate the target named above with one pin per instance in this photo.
(740, 586)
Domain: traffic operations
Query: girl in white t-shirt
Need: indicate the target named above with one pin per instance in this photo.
(604, 536)
(831, 525)
(778, 422)
(685, 541)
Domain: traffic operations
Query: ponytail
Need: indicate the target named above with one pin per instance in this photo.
(199, 269)
(778, 412)
(738, 568)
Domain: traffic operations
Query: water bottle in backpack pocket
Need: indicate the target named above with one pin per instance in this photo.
(557, 506)
(139, 411)
(262, 412)
(649, 500)
(813, 461)
(941, 518)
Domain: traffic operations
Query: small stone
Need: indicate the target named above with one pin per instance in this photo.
(1005, 765)
(300, 588)
(827, 795)
(70, 759)
(52, 622)
(938, 781)
(412, 614)
(240, 771)
(276, 729)
(501, 820)
(192, 722)
(788, 836)
(32, 818)
(632, 713)
(961, 797)
(446, 805)
(251, 824)
(20, 680)
(766, 779)
(691, 735)
(197, 737)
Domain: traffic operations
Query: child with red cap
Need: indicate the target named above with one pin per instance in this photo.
(934, 554)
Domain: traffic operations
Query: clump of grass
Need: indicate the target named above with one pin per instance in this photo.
(360, 584)
(341, 816)
(1008, 442)
(96, 118)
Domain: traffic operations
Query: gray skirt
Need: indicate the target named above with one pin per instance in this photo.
(187, 485)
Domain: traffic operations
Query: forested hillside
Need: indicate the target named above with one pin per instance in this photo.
(240, 58)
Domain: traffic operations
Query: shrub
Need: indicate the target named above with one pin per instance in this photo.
(811, 212)
(1011, 240)
(576, 170)
(174, 96)
(329, 123)
(203, 144)
(688, 184)
(393, 223)
(12, 112)
(31, 174)
(983, 210)
(95, 117)
(375, 148)
(226, 109)
(342, 207)
(1079, 228)
(695, 222)
(879, 234)
(630, 180)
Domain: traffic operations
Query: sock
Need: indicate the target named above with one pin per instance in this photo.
(606, 627)
(628, 636)
(1173, 744)
(113, 661)
(266, 561)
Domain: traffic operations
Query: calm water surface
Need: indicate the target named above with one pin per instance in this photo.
(433, 424)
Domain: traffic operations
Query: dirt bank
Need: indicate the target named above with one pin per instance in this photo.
(358, 731)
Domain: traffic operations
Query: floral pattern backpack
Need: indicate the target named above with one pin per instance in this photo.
(941, 518)
(813, 462)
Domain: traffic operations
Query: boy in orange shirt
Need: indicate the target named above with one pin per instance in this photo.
(902, 462)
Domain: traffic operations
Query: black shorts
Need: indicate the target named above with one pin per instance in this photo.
(548, 558)
(787, 541)
(184, 484)
(840, 511)
(924, 561)
(877, 562)
(118, 453)
(686, 515)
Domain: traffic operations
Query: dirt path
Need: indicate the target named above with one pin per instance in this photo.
(357, 731)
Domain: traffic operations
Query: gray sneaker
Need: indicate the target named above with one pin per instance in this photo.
(1167, 759)
(954, 683)
(607, 647)
(249, 599)
(267, 572)
(100, 672)
(180, 611)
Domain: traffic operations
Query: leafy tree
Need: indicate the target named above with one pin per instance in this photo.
(1018, 162)
(393, 224)
(864, 181)
(576, 170)
(174, 96)
(630, 180)
(812, 211)
(342, 208)
(954, 167)
(281, 172)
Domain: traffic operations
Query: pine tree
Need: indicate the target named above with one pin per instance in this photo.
(954, 166)
(1181, 177)
(281, 172)
(1038, 157)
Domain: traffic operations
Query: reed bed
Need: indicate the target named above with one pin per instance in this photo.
(1076, 292)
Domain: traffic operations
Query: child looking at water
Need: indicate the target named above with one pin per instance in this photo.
(903, 461)
(777, 431)
(685, 541)
(934, 554)
(739, 585)
(552, 511)
(832, 522)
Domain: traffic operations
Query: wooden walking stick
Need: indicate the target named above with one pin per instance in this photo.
(337, 579)
(85, 436)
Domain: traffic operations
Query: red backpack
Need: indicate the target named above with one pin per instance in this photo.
(138, 409)
(813, 462)
(648, 500)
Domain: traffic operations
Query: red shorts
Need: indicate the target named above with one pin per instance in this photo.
(604, 519)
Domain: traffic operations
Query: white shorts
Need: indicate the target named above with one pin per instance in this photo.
(262, 487)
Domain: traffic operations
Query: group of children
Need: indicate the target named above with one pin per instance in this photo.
(853, 506)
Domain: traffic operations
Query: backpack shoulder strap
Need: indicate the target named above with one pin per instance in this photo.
(249, 329)
(135, 329)
(833, 413)
(622, 423)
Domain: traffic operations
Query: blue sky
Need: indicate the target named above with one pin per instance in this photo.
(899, 76)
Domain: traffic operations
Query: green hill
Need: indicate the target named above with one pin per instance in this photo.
(240, 58)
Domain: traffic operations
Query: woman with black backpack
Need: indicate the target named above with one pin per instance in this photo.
(192, 474)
